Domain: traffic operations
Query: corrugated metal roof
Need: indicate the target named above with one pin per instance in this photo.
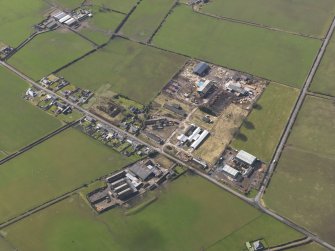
(246, 157)
(231, 171)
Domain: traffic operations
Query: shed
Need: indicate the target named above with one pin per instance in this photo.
(201, 69)
(230, 171)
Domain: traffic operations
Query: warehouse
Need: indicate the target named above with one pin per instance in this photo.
(246, 158)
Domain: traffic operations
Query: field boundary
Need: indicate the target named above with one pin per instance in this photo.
(37, 142)
(254, 24)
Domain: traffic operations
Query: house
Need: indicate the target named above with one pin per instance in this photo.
(31, 93)
(258, 246)
(201, 69)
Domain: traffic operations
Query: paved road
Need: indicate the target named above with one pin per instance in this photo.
(254, 202)
(292, 244)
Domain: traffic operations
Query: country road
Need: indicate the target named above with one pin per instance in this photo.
(286, 134)
(254, 202)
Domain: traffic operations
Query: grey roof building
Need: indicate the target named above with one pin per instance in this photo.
(201, 69)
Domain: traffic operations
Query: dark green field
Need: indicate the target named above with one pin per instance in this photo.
(277, 56)
(262, 131)
(188, 207)
(21, 122)
(323, 81)
(53, 168)
(146, 19)
(302, 187)
(126, 67)
(301, 16)
(48, 52)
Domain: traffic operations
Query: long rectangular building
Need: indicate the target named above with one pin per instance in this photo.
(200, 139)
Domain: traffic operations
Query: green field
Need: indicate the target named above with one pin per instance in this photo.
(145, 20)
(277, 56)
(309, 247)
(21, 122)
(190, 207)
(118, 5)
(301, 16)
(48, 52)
(66, 4)
(102, 25)
(323, 81)
(17, 18)
(262, 130)
(126, 67)
(53, 168)
(302, 187)
(5, 246)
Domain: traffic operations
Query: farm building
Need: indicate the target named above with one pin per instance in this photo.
(232, 172)
(176, 109)
(237, 88)
(246, 158)
(201, 69)
(204, 87)
(194, 136)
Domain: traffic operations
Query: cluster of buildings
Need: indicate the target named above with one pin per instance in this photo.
(48, 102)
(112, 138)
(72, 19)
(74, 94)
(237, 165)
(193, 137)
(126, 184)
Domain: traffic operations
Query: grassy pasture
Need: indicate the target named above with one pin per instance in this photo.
(323, 81)
(146, 18)
(302, 186)
(17, 18)
(164, 225)
(126, 67)
(21, 122)
(310, 247)
(53, 168)
(277, 56)
(301, 16)
(102, 25)
(48, 52)
(66, 4)
(5, 246)
(261, 132)
(118, 5)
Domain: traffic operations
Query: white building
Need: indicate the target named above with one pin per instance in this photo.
(246, 158)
